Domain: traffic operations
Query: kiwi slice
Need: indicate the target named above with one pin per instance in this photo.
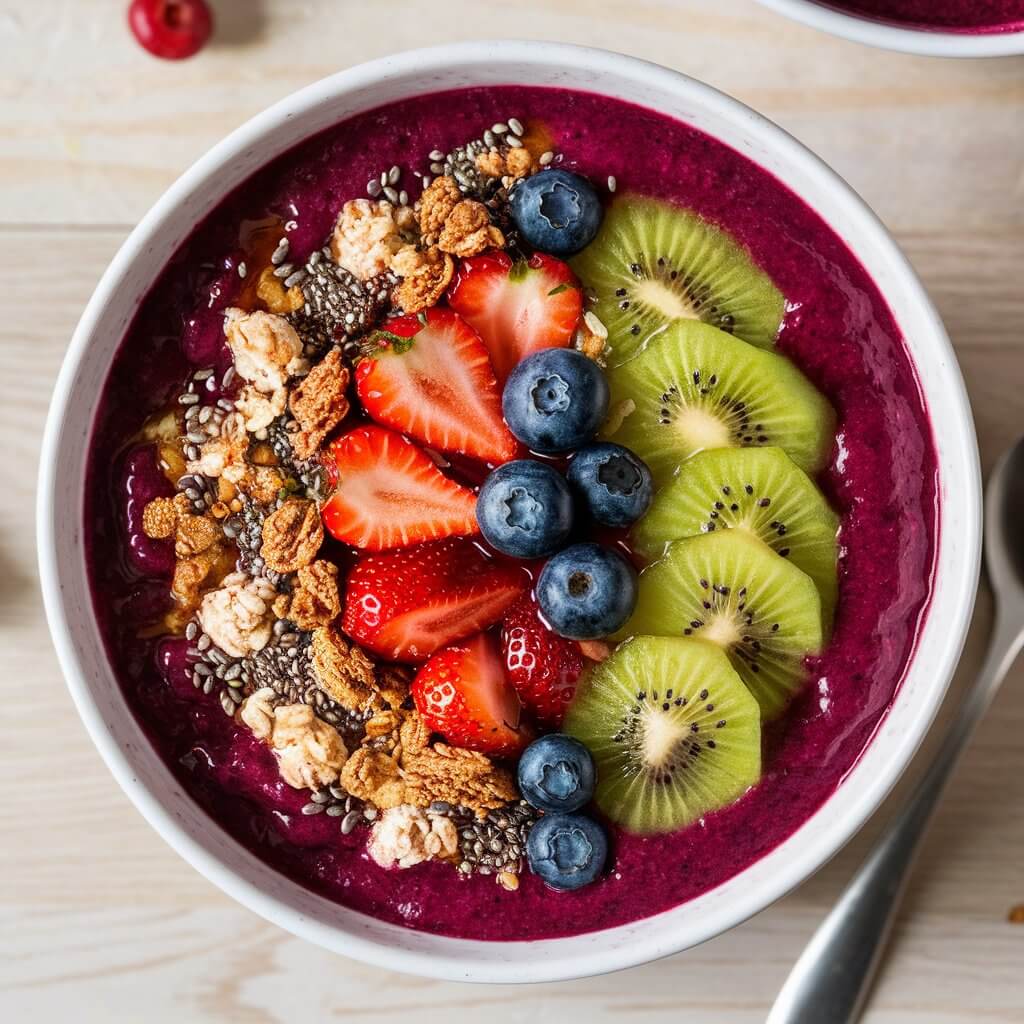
(653, 264)
(673, 731)
(729, 588)
(695, 388)
(760, 490)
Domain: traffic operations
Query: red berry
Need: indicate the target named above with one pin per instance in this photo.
(431, 377)
(404, 605)
(462, 694)
(172, 29)
(517, 308)
(390, 494)
(542, 666)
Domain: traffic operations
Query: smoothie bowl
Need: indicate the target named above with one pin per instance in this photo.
(938, 28)
(498, 531)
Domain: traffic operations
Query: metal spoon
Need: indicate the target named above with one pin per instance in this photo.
(831, 980)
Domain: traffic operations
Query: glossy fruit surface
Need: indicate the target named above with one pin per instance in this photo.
(517, 307)
(543, 667)
(567, 851)
(390, 494)
(556, 211)
(432, 379)
(555, 400)
(524, 509)
(611, 483)
(171, 29)
(462, 693)
(556, 774)
(404, 605)
(586, 591)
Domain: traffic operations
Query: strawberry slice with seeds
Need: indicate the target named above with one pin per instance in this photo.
(542, 666)
(404, 605)
(517, 308)
(462, 693)
(430, 376)
(389, 493)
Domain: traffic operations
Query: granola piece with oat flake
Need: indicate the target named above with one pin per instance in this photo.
(405, 836)
(310, 753)
(319, 404)
(468, 231)
(375, 777)
(266, 348)
(367, 234)
(457, 776)
(238, 616)
(425, 276)
(292, 535)
(260, 409)
(315, 600)
(224, 455)
(436, 204)
(343, 670)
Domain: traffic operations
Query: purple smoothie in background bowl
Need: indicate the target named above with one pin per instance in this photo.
(882, 480)
(968, 16)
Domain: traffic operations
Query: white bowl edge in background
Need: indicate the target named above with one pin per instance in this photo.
(148, 782)
(887, 36)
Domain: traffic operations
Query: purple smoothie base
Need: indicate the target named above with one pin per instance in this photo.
(883, 481)
(969, 17)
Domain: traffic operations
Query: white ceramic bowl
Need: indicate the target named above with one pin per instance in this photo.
(148, 782)
(926, 42)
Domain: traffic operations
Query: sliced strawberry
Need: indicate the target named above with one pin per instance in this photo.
(434, 381)
(543, 667)
(390, 494)
(517, 308)
(463, 694)
(404, 605)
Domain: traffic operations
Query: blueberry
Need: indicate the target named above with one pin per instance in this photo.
(586, 591)
(524, 509)
(555, 400)
(556, 773)
(567, 851)
(611, 483)
(556, 211)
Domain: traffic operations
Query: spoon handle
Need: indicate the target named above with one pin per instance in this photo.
(830, 982)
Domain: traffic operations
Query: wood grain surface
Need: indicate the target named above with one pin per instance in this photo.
(100, 920)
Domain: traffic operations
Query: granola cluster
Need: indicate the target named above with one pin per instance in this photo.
(253, 580)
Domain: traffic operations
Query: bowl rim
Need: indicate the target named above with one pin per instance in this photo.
(922, 42)
(574, 956)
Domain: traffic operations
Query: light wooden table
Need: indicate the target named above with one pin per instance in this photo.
(100, 920)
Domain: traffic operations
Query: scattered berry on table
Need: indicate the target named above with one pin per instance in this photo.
(587, 591)
(556, 774)
(555, 400)
(171, 29)
(524, 509)
(556, 211)
(611, 483)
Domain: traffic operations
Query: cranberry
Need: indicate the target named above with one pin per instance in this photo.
(172, 29)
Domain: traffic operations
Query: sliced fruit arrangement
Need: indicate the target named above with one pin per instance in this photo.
(729, 588)
(432, 379)
(389, 493)
(543, 667)
(653, 264)
(759, 490)
(462, 693)
(404, 605)
(517, 307)
(695, 388)
(673, 731)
